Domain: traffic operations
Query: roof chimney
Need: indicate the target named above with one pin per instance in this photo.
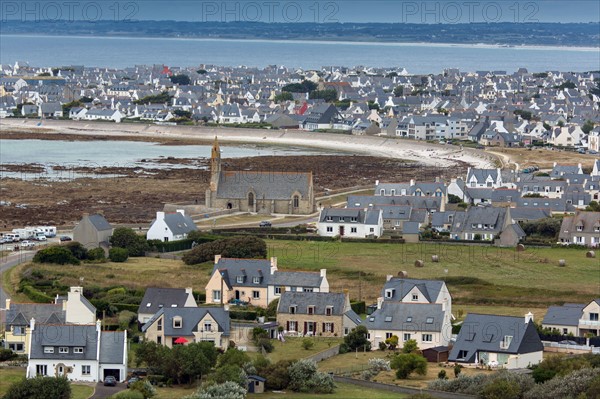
(189, 290)
(323, 272)
(226, 307)
(412, 182)
(160, 215)
(32, 324)
(379, 302)
(182, 211)
(528, 317)
(388, 277)
(98, 325)
(376, 182)
(7, 303)
(217, 259)
(273, 264)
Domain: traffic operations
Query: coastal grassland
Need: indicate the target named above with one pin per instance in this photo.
(343, 391)
(292, 348)
(476, 275)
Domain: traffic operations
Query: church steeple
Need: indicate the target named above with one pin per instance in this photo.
(215, 165)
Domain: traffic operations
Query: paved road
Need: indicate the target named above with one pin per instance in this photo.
(7, 262)
(103, 392)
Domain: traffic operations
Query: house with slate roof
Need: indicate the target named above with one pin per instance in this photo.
(412, 309)
(582, 229)
(350, 222)
(93, 231)
(574, 318)
(484, 178)
(74, 309)
(324, 314)
(502, 341)
(258, 281)
(193, 324)
(157, 298)
(171, 226)
(559, 171)
(77, 352)
(259, 192)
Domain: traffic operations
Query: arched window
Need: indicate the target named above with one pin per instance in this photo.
(250, 199)
(295, 201)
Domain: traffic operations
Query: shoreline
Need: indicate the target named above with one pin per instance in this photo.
(443, 156)
(328, 41)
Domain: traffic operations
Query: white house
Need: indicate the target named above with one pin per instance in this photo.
(349, 222)
(78, 352)
(104, 115)
(171, 226)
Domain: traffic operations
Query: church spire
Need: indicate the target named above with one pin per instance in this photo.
(216, 150)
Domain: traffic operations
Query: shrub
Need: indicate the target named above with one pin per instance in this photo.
(359, 307)
(307, 343)
(457, 370)
(277, 374)
(226, 390)
(442, 375)
(266, 344)
(118, 254)
(392, 342)
(7, 354)
(236, 247)
(568, 386)
(304, 377)
(356, 339)
(55, 254)
(35, 295)
(78, 250)
(125, 319)
(145, 388)
(378, 364)
(96, 254)
(407, 363)
(128, 395)
(410, 346)
(127, 238)
(40, 388)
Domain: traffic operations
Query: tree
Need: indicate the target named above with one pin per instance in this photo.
(407, 363)
(181, 79)
(399, 91)
(236, 247)
(96, 254)
(328, 95)
(593, 206)
(304, 377)
(118, 255)
(454, 199)
(40, 388)
(392, 342)
(410, 346)
(276, 374)
(55, 254)
(127, 238)
(233, 357)
(284, 96)
(305, 87)
(588, 126)
(356, 339)
(78, 250)
(229, 372)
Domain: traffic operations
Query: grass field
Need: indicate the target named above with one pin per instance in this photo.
(292, 349)
(10, 375)
(476, 275)
(343, 391)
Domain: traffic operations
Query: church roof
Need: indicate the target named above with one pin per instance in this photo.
(268, 185)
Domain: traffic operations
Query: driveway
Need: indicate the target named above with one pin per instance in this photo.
(8, 262)
(103, 392)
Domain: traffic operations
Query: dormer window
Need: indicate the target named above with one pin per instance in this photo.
(353, 219)
(506, 342)
(239, 279)
(293, 309)
(256, 280)
(329, 310)
(329, 219)
(48, 349)
(177, 322)
(311, 310)
(409, 319)
(429, 320)
(389, 293)
(63, 349)
(415, 297)
(207, 326)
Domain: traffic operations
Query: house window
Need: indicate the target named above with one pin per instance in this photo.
(372, 230)
(415, 297)
(296, 201)
(462, 354)
(256, 280)
(311, 310)
(293, 326)
(177, 322)
(86, 370)
(255, 294)
(594, 316)
(329, 310)
(250, 199)
(329, 219)
(159, 325)
(353, 219)
(389, 293)
(388, 335)
(427, 337)
(429, 320)
(159, 340)
(327, 327)
(388, 319)
(216, 295)
(353, 230)
(307, 290)
(293, 309)
(329, 229)
(277, 290)
(78, 350)
(506, 342)
(208, 326)
(15, 347)
(239, 279)
(41, 369)
(63, 349)
(409, 319)
(48, 349)
(18, 330)
(565, 331)
(406, 337)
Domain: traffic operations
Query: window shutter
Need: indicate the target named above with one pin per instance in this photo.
(305, 327)
(287, 326)
(323, 327)
(332, 325)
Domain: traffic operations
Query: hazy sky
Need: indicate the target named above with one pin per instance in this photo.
(460, 11)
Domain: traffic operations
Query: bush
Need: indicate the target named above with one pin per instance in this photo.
(128, 395)
(359, 307)
(304, 377)
(266, 344)
(356, 339)
(127, 238)
(226, 390)
(277, 375)
(78, 250)
(407, 363)
(442, 375)
(7, 354)
(246, 247)
(55, 254)
(96, 254)
(118, 254)
(40, 388)
(35, 295)
(379, 364)
(307, 343)
(568, 386)
(410, 346)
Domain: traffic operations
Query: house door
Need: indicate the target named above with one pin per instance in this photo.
(341, 231)
(237, 294)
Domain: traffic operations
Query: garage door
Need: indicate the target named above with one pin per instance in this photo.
(113, 372)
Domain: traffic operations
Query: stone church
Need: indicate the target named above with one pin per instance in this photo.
(259, 192)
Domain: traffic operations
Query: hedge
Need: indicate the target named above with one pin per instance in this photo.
(359, 307)
(288, 237)
(35, 295)
(374, 240)
(126, 306)
(242, 314)
(179, 245)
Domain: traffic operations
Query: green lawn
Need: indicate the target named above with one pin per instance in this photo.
(292, 348)
(343, 391)
(502, 275)
(10, 375)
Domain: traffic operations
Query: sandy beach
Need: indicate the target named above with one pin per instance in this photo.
(445, 156)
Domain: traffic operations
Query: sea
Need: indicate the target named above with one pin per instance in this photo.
(121, 52)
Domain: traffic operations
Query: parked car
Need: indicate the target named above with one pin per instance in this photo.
(132, 380)
(110, 381)
(264, 223)
(65, 238)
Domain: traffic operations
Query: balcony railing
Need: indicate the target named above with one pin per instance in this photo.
(592, 323)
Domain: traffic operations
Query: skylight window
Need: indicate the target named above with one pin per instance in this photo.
(429, 320)
(388, 318)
